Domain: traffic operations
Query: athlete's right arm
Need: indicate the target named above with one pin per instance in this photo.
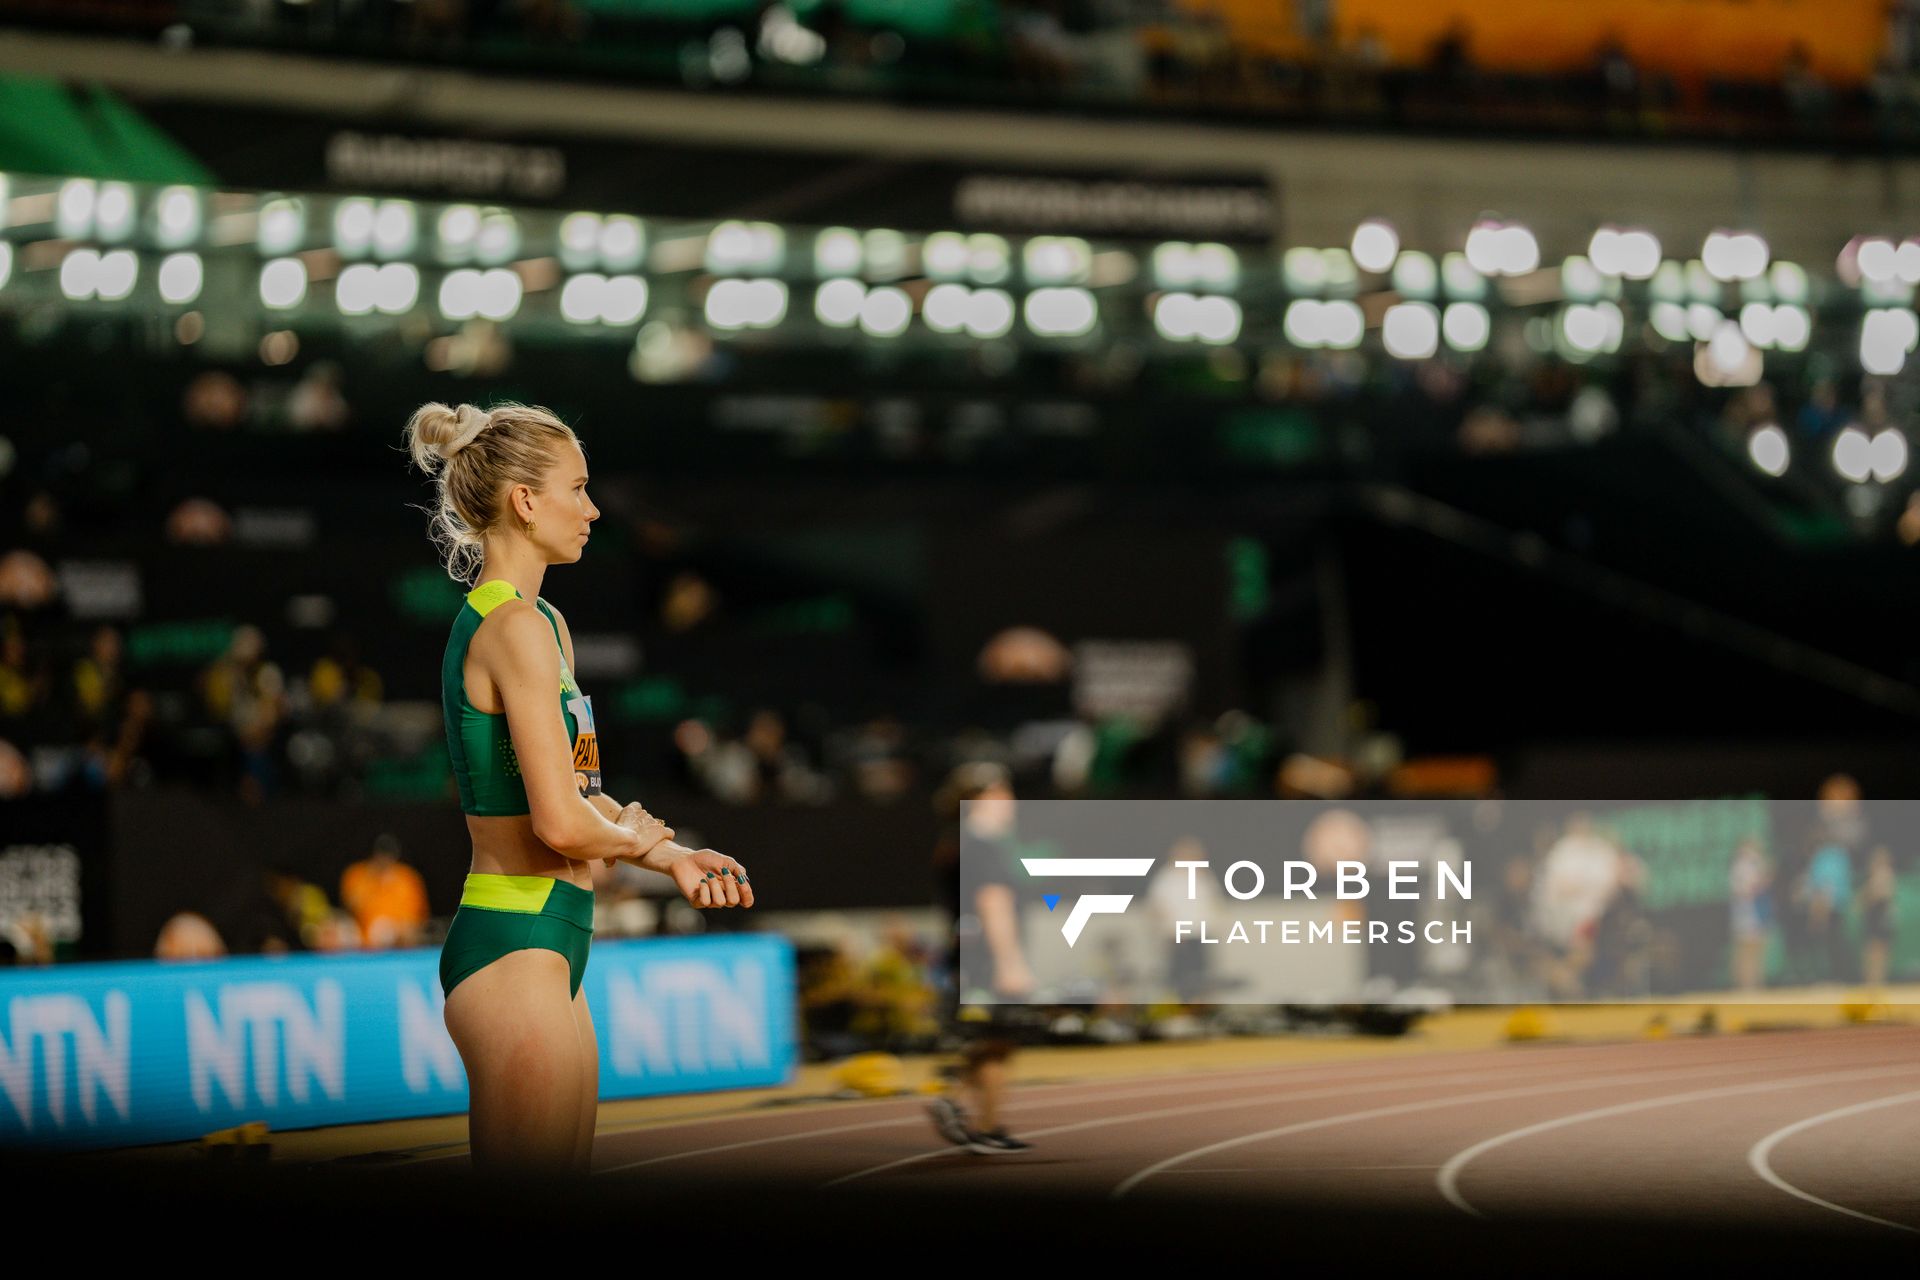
(525, 665)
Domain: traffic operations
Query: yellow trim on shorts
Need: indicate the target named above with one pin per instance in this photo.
(525, 894)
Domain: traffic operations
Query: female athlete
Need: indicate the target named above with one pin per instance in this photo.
(512, 488)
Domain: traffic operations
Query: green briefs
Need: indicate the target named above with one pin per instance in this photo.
(499, 914)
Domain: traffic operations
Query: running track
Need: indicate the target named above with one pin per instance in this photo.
(1810, 1129)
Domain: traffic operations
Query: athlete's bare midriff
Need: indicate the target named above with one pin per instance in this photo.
(506, 846)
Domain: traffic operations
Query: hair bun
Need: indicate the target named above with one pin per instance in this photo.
(468, 423)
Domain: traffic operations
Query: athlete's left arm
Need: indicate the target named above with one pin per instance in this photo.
(705, 877)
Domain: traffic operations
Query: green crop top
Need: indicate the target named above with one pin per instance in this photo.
(484, 764)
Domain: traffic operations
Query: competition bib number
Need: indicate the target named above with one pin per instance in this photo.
(586, 746)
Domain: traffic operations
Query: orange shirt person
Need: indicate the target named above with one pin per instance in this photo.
(386, 896)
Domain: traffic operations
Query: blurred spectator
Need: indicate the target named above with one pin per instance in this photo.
(339, 678)
(338, 932)
(16, 775)
(25, 581)
(189, 936)
(317, 403)
(199, 523)
(1826, 893)
(1876, 917)
(111, 717)
(23, 680)
(388, 898)
(1749, 887)
(247, 693)
(304, 906)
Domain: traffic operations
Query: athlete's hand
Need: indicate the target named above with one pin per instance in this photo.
(649, 828)
(709, 879)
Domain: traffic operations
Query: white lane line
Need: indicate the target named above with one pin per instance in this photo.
(1355, 1117)
(1182, 1084)
(1759, 1159)
(1449, 1179)
(1225, 1104)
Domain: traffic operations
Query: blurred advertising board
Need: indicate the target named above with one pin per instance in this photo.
(96, 1055)
(1688, 39)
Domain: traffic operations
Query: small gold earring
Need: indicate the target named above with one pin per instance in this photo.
(529, 528)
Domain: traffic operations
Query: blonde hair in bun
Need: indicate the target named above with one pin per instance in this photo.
(474, 456)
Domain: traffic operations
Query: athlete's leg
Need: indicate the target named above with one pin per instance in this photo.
(589, 1084)
(513, 1023)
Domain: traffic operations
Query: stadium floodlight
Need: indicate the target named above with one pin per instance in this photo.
(1789, 281)
(1887, 454)
(836, 303)
(1627, 252)
(1581, 279)
(1304, 270)
(1792, 327)
(1669, 320)
(1375, 245)
(456, 230)
(1734, 255)
(989, 257)
(1906, 262)
(73, 208)
(886, 254)
(396, 228)
(460, 294)
(1173, 266)
(1342, 277)
(1728, 348)
(1342, 325)
(1304, 323)
(989, 313)
(623, 242)
(944, 308)
(885, 312)
(1768, 449)
(1056, 260)
(1887, 334)
(740, 247)
(396, 287)
(1466, 326)
(943, 256)
(1460, 279)
(283, 283)
(580, 240)
(118, 272)
(80, 274)
(499, 237)
(1411, 330)
(282, 225)
(1496, 247)
(1853, 455)
(1060, 312)
(113, 212)
(1216, 319)
(176, 217)
(499, 294)
(624, 301)
(1216, 267)
(836, 252)
(1877, 259)
(1703, 321)
(1757, 322)
(580, 297)
(353, 226)
(1415, 275)
(1591, 328)
(746, 304)
(1173, 316)
(353, 291)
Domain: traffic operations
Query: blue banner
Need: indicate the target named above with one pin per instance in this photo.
(137, 1052)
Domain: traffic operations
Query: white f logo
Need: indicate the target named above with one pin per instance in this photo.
(1092, 904)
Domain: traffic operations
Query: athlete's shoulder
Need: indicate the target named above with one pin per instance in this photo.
(514, 625)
